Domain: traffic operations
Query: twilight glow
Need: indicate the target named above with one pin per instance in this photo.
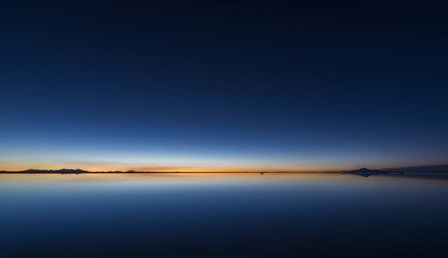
(144, 92)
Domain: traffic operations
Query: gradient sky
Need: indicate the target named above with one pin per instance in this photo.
(207, 85)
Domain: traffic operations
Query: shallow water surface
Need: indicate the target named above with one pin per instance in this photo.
(223, 215)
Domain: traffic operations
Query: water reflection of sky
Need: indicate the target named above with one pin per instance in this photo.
(220, 215)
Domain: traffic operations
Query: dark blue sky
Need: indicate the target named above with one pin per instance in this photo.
(209, 85)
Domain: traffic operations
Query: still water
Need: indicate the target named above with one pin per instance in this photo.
(223, 215)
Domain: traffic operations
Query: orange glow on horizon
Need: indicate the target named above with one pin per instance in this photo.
(170, 168)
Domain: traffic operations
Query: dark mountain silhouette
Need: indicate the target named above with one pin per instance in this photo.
(58, 171)
(367, 172)
(422, 170)
(439, 169)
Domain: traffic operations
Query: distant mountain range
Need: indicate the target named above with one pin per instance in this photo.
(366, 172)
(404, 170)
(64, 171)
(361, 172)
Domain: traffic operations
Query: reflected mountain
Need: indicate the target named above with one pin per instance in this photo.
(365, 172)
(418, 171)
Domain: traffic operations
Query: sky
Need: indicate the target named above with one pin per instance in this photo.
(222, 85)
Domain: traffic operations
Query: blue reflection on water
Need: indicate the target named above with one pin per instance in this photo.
(226, 215)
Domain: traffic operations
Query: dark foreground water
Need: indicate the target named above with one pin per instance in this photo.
(225, 215)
